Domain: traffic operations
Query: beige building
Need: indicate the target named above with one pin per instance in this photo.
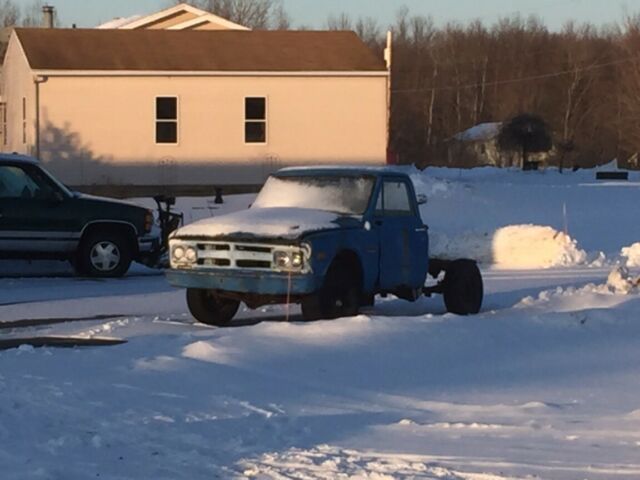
(144, 107)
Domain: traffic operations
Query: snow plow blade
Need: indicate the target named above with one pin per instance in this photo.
(59, 342)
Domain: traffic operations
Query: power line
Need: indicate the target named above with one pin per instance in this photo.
(519, 80)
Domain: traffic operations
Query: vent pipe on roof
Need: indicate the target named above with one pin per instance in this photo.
(48, 12)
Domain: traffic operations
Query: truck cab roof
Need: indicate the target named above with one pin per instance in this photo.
(340, 170)
(17, 158)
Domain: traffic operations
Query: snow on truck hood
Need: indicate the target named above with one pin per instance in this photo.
(264, 222)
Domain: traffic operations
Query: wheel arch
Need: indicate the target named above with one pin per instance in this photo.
(350, 259)
(128, 230)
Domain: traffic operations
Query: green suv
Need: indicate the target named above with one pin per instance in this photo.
(40, 218)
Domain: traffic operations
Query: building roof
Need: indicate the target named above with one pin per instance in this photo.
(480, 133)
(196, 14)
(196, 51)
(119, 22)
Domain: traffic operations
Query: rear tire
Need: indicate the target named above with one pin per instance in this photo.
(209, 308)
(463, 288)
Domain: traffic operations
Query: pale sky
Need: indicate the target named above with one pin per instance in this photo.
(313, 13)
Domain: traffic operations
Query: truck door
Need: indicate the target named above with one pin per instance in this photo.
(402, 237)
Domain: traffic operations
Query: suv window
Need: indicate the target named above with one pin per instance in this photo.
(394, 200)
(16, 182)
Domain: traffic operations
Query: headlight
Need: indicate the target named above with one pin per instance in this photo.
(288, 260)
(184, 255)
(178, 253)
(191, 255)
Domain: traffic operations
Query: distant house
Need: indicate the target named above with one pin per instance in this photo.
(152, 104)
(478, 146)
(178, 17)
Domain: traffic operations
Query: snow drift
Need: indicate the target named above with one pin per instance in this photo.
(512, 247)
(632, 255)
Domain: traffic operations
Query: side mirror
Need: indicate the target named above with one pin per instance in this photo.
(421, 198)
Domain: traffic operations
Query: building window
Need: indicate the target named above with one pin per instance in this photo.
(24, 120)
(255, 120)
(167, 120)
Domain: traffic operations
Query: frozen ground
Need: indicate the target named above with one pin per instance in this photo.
(543, 384)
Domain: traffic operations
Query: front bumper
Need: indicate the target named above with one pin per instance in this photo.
(243, 281)
(148, 244)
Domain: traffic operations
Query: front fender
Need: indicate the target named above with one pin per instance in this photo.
(326, 246)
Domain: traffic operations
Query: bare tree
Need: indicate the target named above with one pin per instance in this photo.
(255, 14)
(9, 13)
(32, 14)
(280, 18)
(339, 22)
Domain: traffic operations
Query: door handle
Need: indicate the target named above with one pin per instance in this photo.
(378, 223)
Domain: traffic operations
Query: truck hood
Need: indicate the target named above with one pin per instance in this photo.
(285, 223)
(105, 200)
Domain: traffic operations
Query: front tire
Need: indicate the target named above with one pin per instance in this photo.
(340, 295)
(104, 254)
(463, 288)
(209, 308)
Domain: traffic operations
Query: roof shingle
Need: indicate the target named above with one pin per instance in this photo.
(197, 51)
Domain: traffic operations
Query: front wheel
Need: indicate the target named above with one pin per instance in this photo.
(104, 254)
(340, 295)
(208, 307)
(463, 288)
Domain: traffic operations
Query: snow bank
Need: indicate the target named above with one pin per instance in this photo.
(431, 186)
(620, 281)
(512, 247)
(632, 255)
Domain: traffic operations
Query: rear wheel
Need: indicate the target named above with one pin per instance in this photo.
(104, 254)
(339, 296)
(463, 288)
(208, 307)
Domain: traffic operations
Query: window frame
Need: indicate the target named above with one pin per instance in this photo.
(24, 120)
(3, 120)
(164, 120)
(246, 120)
(38, 177)
(381, 199)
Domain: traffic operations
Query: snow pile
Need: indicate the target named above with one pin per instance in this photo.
(619, 284)
(430, 186)
(512, 247)
(632, 255)
(620, 281)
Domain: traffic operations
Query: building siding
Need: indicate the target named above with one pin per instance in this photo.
(101, 130)
(18, 84)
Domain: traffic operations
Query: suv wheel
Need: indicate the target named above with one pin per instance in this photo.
(104, 254)
(209, 308)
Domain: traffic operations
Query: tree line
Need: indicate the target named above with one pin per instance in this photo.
(582, 81)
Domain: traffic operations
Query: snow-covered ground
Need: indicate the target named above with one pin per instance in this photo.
(544, 383)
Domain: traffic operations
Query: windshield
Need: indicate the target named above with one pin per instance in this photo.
(347, 195)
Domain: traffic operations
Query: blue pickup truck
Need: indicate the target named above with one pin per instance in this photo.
(328, 238)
